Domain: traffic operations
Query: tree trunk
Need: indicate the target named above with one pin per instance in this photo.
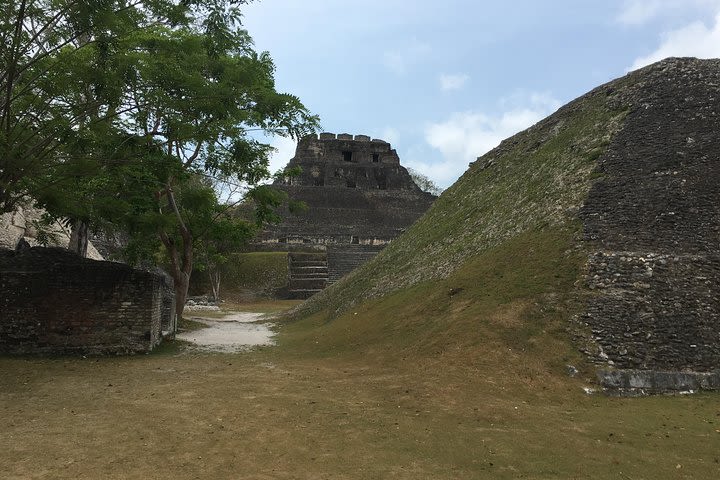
(214, 274)
(181, 269)
(182, 283)
(79, 238)
(181, 261)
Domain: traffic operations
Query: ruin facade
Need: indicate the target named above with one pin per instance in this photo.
(359, 198)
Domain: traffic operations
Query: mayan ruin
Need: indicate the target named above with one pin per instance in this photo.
(506, 266)
(359, 198)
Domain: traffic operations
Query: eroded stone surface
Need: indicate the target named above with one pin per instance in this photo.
(652, 221)
(22, 225)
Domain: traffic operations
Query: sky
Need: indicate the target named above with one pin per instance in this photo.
(446, 81)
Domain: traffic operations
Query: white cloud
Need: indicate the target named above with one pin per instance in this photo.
(399, 60)
(390, 135)
(638, 12)
(694, 40)
(467, 135)
(453, 82)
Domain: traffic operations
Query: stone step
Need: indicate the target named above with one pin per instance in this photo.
(307, 257)
(308, 270)
(302, 294)
(322, 274)
(308, 263)
(308, 274)
(307, 283)
(311, 274)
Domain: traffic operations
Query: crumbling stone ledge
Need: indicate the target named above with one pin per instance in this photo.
(646, 382)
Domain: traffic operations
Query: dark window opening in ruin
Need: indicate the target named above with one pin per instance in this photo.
(382, 183)
(307, 240)
(376, 158)
(319, 181)
(354, 240)
(347, 156)
(282, 240)
(350, 183)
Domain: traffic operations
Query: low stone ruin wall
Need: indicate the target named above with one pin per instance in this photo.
(55, 302)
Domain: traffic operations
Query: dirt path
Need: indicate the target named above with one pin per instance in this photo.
(232, 333)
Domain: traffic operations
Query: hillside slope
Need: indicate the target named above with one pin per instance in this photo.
(582, 199)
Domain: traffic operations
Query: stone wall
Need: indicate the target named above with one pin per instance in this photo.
(167, 309)
(652, 221)
(344, 215)
(54, 302)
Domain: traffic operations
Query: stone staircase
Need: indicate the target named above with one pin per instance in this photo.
(343, 259)
(308, 274)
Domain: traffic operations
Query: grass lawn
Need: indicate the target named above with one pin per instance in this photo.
(290, 413)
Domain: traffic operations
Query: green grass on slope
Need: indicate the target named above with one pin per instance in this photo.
(537, 178)
(505, 308)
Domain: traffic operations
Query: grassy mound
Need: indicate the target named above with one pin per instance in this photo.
(490, 268)
(508, 301)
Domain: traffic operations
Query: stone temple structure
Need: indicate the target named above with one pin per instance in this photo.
(359, 198)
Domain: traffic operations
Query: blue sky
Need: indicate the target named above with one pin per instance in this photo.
(446, 81)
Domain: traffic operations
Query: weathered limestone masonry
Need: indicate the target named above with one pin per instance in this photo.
(359, 199)
(55, 302)
(653, 223)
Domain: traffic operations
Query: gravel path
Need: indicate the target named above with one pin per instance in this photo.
(232, 333)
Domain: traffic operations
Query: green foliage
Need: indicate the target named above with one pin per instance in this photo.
(62, 75)
(110, 111)
(94, 92)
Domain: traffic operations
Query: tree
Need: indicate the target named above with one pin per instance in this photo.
(59, 82)
(424, 183)
(196, 96)
(101, 92)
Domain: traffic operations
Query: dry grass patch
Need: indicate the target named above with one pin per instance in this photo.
(261, 415)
